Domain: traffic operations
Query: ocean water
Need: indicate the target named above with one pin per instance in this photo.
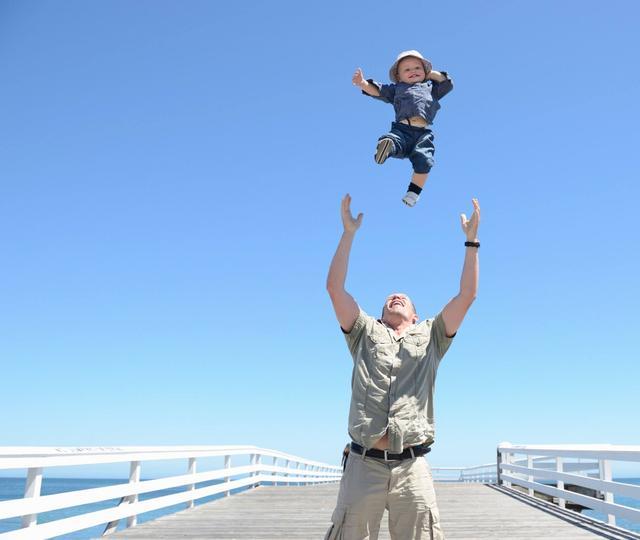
(625, 501)
(13, 488)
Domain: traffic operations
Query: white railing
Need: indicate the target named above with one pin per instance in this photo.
(284, 469)
(559, 466)
(485, 474)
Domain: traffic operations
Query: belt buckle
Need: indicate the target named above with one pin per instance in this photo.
(385, 455)
(413, 454)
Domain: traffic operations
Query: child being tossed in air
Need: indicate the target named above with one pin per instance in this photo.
(415, 95)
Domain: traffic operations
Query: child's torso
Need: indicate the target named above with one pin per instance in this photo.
(415, 101)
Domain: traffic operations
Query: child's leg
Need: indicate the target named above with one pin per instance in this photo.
(415, 188)
(419, 179)
(422, 160)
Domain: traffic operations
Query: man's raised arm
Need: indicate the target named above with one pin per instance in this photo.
(343, 303)
(454, 312)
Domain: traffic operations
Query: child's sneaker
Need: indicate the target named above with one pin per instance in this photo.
(410, 198)
(384, 148)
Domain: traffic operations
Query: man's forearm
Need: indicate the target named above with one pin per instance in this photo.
(470, 274)
(455, 311)
(340, 263)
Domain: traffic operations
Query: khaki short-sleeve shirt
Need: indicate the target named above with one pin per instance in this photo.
(393, 381)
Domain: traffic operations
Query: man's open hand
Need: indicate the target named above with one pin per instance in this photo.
(470, 226)
(350, 225)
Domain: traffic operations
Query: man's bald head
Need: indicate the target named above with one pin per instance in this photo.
(398, 307)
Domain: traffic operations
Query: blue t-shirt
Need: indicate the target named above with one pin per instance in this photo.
(417, 99)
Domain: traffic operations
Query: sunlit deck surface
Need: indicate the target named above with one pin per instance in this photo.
(470, 511)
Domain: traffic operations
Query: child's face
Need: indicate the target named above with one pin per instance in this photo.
(411, 70)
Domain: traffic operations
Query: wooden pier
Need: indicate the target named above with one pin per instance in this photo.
(296, 496)
(468, 511)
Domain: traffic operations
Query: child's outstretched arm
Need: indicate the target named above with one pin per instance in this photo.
(359, 80)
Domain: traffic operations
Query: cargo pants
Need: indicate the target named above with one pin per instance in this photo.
(404, 488)
(415, 143)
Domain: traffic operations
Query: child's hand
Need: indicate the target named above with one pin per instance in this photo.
(358, 78)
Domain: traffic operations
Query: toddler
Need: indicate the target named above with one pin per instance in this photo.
(415, 95)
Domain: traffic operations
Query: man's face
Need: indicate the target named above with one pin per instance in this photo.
(399, 304)
(411, 70)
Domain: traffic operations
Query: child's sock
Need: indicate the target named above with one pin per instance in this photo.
(412, 195)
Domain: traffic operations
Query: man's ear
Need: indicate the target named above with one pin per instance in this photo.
(415, 318)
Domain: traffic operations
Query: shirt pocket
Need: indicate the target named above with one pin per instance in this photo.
(416, 346)
(378, 343)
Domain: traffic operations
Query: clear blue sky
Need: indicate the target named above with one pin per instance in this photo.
(170, 179)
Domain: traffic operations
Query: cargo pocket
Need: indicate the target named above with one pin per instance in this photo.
(435, 531)
(335, 531)
(428, 526)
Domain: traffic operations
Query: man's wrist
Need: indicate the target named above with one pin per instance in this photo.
(473, 243)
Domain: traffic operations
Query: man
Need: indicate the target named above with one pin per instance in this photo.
(391, 421)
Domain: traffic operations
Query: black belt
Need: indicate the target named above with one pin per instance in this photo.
(407, 453)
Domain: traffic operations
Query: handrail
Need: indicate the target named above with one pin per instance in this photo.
(485, 474)
(12, 458)
(551, 463)
(291, 470)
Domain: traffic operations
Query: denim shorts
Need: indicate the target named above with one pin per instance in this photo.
(415, 143)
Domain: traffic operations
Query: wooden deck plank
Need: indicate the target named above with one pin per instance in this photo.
(467, 511)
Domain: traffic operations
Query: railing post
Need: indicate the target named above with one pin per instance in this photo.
(227, 465)
(498, 462)
(560, 483)
(530, 476)
(506, 459)
(192, 487)
(273, 462)
(257, 461)
(134, 476)
(286, 464)
(32, 490)
(605, 474)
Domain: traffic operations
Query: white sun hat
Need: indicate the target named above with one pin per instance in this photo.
(393, 71)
